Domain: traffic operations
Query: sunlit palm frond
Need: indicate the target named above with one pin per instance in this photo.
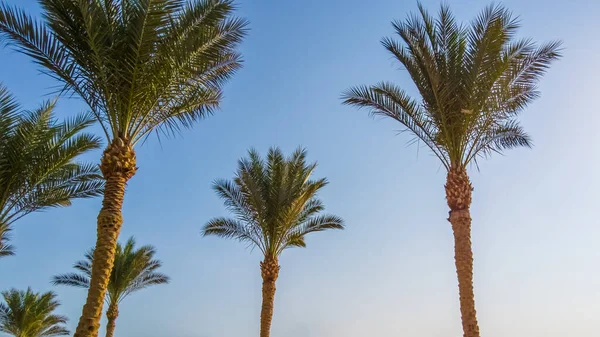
(5, 248)
(72, 279)
(295, 237)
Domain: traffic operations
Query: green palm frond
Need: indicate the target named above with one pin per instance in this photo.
(38, 162)
(273, 202)
(5, 248)
(134, 269)
(473, 81)
(72, 279)
(140, 65)
(30, 314)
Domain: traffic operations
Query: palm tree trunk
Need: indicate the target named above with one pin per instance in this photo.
(118, 166)
(270, 271)
(458, 195)
(111, 315)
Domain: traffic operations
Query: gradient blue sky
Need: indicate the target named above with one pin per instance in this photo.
(391, 272)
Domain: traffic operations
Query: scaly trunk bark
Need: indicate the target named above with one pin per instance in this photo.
(111, 315)
(118, 166)
(270, 271)
(458, 195)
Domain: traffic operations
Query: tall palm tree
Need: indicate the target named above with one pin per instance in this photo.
(275, 206)
(473, 82)
(134, 269)
(30, 314)
(141, 66)
(38, 167)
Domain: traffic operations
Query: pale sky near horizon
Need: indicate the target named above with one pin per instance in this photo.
(391, 272)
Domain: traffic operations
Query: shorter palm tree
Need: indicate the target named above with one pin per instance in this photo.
(38, 167)
(133, 270)
(275, 206)
(30, 314)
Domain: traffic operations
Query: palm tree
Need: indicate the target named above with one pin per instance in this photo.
(38, 167)
(275, 206)
(29, 314)
(141, 66)
(133, 270)
(473, 82)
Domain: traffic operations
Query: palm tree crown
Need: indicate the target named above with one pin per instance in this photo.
(29, 314)
(274, 203)
(139, 65)
(134, 269)
(473, 82)
(38, 169)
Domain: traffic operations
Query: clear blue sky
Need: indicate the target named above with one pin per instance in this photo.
(391, 273)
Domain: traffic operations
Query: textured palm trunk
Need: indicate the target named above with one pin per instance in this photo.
(270, 271)
(118, 166)
(111, 315)
(458, 195)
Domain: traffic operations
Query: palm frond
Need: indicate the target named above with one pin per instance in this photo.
(5, 248)
(234, 229)
(72, 279)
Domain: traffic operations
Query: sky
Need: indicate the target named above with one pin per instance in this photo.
(391, 272)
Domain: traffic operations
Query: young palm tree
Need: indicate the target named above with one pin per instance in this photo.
(275, 206)
(38, 167)
(133, 270)
(29, 314)
(473, 82)
(141, 66)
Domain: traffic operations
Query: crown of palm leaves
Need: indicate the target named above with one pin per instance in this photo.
(140, 65)
(274, 203)
(30, 314)
(473, 81)
(38, 166)
(134, 269)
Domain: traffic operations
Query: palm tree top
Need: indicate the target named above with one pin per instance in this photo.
(140, 65)
(274, 203)
(473, 81)
(134, 269)
(30, 314)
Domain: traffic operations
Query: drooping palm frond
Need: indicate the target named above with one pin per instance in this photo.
(38, 167)
(5, 248)
(134, 269)
(273, 201)
(473, 81)
(30, 314)
(140, 65)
